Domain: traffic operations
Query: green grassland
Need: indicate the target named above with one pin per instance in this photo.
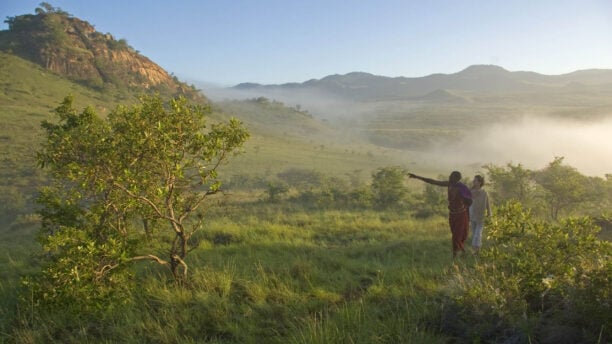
(282, 137)
(29, 94)
(265, 272)
(272, 274)
(280, 275)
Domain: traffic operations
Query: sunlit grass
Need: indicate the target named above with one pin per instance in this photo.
(265, 275)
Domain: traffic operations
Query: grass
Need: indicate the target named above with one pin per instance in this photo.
(281, 137)
(280, 276)
(16, 249)
(260, 273)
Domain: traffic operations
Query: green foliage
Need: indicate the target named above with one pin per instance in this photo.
(302, 179)
(514, 182)
(46, 7)
(276, 189)
(152, 164)
(286, 275)
(546, 282)
(360, 197)
(73, 276)
(28, 91)
(334, 193)
(431, 202)
(121, 44)
(388, 187)
(565, 188)
(557, 189)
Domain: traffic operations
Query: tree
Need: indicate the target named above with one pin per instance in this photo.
(141, 174)
(45, 7)
(514, 182)
(388, 187)
(564, 187)
(276, 189)
(432, 201)
(301, 178)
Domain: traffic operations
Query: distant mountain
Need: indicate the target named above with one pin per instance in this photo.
(441, 96)
(488, 79)
(72, 48)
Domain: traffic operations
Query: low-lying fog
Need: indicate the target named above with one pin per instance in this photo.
(534, 142)
(530, 140)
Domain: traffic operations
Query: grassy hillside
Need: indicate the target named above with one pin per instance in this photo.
(29, 94)
(281, 137)
(330, 260)
(290, 272)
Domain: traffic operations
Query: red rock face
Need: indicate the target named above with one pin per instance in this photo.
(73, 48)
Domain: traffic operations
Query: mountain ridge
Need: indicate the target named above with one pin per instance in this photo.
(475, 78)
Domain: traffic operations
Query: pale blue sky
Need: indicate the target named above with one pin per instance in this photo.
(277, 41)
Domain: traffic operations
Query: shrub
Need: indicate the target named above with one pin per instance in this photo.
(536, 281)
(388, 189)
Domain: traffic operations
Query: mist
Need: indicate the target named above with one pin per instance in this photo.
(534, 142)
(321, 105)
(531, 140)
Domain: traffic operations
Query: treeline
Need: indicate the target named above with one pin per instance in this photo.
(552, 192)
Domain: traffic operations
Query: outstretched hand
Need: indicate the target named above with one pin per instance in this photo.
(412, 175)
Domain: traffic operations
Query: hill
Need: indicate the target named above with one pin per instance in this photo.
(479, 115)
(483, 79)
(49, 55)
(72, 48)
(357, 121)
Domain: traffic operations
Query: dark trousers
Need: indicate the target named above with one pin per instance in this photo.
(459, 225)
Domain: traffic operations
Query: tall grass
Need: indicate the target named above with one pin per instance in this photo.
(263, 274)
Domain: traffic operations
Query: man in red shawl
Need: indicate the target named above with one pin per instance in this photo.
(459, 201)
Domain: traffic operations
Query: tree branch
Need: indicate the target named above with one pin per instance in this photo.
(182, 263)
(109, 267)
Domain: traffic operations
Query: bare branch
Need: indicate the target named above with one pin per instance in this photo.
(182, 263)
(149, 257)
(109, 267)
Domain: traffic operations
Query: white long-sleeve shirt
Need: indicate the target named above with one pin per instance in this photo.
(480, 204)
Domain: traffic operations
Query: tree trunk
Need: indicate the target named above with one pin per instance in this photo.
(177, 256)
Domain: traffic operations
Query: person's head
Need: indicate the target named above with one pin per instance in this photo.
(478, 181)
(454, 177)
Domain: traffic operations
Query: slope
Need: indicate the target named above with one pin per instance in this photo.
(281, 137)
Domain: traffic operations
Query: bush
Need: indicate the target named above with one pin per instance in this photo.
(301, 179)
(388, 189)
(536, 281)
(431, 202)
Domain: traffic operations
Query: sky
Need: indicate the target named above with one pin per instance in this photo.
(226, 42)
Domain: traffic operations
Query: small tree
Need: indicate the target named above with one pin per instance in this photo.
(276, 189)
(388, 187)
(301, 178)
(432, 201)
(141, 173)
(513, 182)
(564, 187)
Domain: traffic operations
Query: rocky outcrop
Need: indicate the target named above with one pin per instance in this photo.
(73, 48)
